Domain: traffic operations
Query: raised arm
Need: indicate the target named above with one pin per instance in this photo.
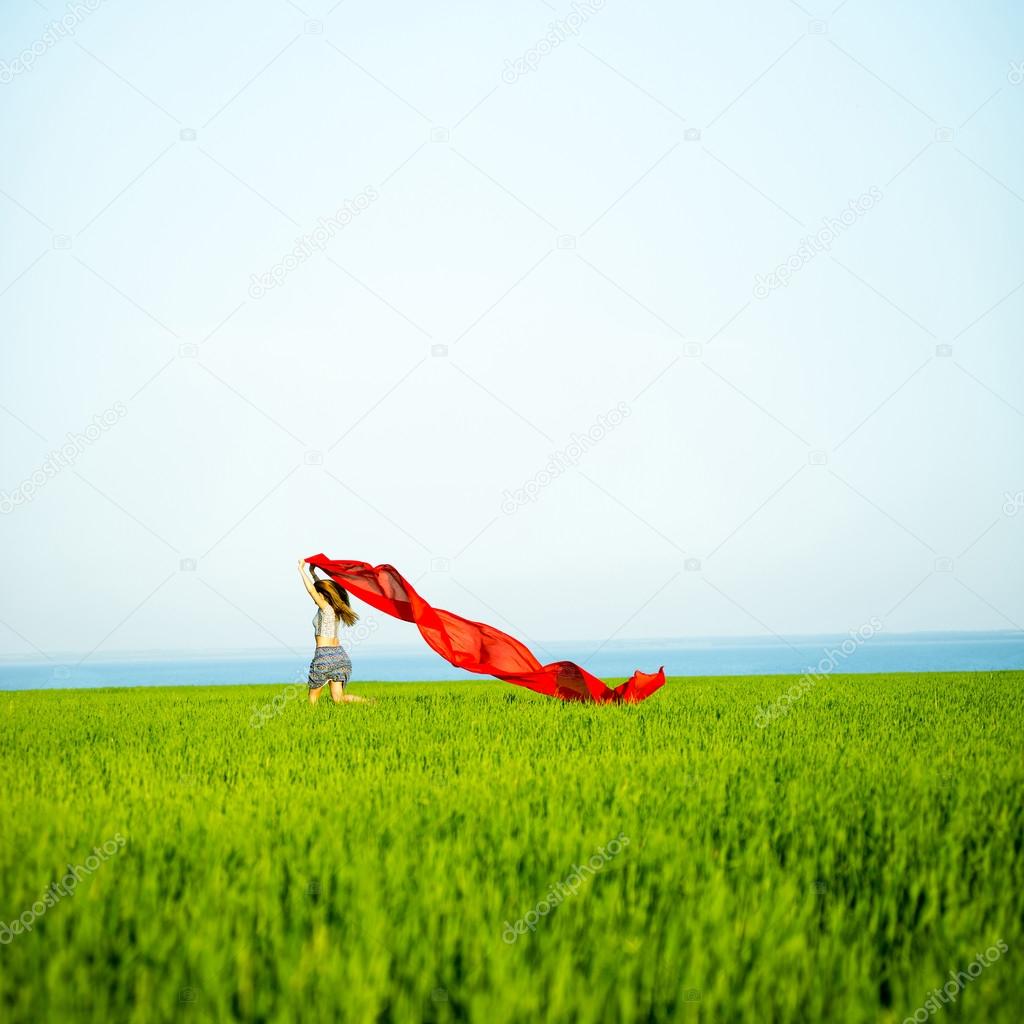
(308, 580)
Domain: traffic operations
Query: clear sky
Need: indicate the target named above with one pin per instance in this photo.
(549, 220)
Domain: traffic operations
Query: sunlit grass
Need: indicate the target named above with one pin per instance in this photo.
(362, 862)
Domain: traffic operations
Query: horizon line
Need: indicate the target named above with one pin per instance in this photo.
(411, 648)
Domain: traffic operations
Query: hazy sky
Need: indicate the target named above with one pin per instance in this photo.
(547, 218)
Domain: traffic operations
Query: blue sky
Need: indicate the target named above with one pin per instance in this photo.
(514, 256)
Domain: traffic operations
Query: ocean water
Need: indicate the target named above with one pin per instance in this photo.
(922, 652)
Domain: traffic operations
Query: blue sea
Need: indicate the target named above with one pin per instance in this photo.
(918, 652)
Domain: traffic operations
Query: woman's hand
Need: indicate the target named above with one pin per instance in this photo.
(308, 579)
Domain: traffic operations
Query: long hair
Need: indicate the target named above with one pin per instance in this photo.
(337, 598)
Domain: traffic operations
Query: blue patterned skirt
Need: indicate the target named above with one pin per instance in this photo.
(329, 663)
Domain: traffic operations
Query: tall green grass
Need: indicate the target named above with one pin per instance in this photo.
(360, 862)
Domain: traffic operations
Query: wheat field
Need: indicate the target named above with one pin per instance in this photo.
(471, 852)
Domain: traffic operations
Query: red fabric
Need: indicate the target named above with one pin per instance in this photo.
(475, 646)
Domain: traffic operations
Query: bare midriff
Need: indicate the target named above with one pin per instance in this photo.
(327, 641)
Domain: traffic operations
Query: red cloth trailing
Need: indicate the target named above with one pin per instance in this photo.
(477, 647)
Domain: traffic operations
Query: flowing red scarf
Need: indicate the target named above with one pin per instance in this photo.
(475, 646)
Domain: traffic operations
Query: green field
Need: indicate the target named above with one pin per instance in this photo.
(365, 862)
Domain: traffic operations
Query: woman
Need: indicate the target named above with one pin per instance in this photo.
(331, 665)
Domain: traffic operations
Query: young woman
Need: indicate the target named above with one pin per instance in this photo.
(331, 665)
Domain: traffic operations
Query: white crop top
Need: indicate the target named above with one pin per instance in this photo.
(325, 623)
